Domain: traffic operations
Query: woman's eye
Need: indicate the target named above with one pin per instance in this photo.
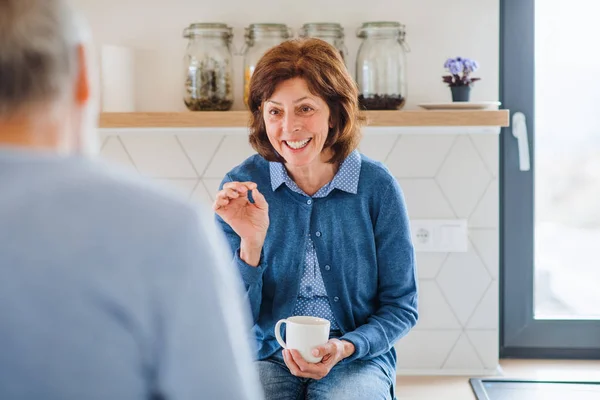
(306, 109)
(273, 111)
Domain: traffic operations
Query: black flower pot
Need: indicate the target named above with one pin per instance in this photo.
(460, 93)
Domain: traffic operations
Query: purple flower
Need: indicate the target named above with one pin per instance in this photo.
(470, 65)
(460, 69)
(455, 67)
(448, 62)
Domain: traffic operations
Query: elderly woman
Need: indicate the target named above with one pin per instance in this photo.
(318, 229)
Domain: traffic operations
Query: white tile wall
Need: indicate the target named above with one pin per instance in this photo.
(463, 356)
(463, 281)
(113, 151)
(442, 177)
(486, 315)
(158, 156)
(232, 151)
(485, 242)
(419, 156)
(464, 177)
(201, 193)
(425, 350)
(486, 213)
(435, 311)
(200, 149)
(488, 147)
(378, 147)
(485, 343)
(429, 264)
(424, 199)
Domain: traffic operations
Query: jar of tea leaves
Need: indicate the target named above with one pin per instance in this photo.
(208, 67)
(381, 66)
(259, 39)
(330, 32)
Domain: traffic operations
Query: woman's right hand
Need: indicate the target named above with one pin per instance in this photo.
(249, 220)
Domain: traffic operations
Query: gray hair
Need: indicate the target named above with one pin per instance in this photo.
(38, 58)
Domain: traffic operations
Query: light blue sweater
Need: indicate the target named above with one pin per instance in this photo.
(112, 289)
(363, 244)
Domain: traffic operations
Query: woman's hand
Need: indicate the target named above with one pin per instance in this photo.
(333, 352)
(249, 220)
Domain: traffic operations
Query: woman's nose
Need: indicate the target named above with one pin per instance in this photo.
(291, 123)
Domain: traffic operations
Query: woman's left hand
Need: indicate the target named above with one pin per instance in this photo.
(332, 352)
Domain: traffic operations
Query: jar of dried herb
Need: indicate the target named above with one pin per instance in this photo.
(330, 32)
(208, 67)
(259, 39)
(381, 66)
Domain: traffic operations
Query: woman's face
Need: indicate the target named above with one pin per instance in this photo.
(297, 123)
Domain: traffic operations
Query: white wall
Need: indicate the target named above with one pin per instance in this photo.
(443, 176)
(436, 30)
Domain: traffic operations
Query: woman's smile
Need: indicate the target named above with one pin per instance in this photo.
(297, 145)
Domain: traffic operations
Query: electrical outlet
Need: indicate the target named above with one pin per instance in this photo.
(443, 236)
(423, 236)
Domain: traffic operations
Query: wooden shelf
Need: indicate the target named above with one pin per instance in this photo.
(235, 119)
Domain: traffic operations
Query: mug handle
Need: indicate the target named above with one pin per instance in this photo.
(278, 333)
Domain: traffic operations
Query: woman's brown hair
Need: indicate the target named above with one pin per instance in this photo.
(321, 66)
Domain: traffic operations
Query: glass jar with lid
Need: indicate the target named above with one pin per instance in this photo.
(330, 32)
(259, 39)
(208, 67)
(381, 66)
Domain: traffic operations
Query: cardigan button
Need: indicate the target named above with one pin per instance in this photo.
(327, 268)
(318, 234)
(309, 202)
(336, 299)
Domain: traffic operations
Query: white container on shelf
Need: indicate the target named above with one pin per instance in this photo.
(117, 76)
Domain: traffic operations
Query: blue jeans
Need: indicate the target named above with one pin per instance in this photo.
(356, 380)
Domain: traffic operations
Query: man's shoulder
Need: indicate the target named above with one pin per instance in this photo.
(121, 196)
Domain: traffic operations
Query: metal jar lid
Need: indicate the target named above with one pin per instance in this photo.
(208, 29)
(268, 29)
(329, 29)
(383, 27)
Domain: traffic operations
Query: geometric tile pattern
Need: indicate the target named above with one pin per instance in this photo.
(419, 156)
(463, 356)
(113, 151)
(442, 176)
(487, 314)
(159, 156)
(463, 177)
(485, 243)
(429, 264)
(434, 309)
(485, 343)
(463, 280)
(425, 350)
(425, 200)
(378, 147)
(486, 213)
(488, 147)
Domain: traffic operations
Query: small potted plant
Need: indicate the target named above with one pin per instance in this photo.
(460, 80)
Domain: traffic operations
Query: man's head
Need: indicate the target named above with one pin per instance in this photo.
(45, 85)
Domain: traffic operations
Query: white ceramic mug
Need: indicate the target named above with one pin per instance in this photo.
(303, 334)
